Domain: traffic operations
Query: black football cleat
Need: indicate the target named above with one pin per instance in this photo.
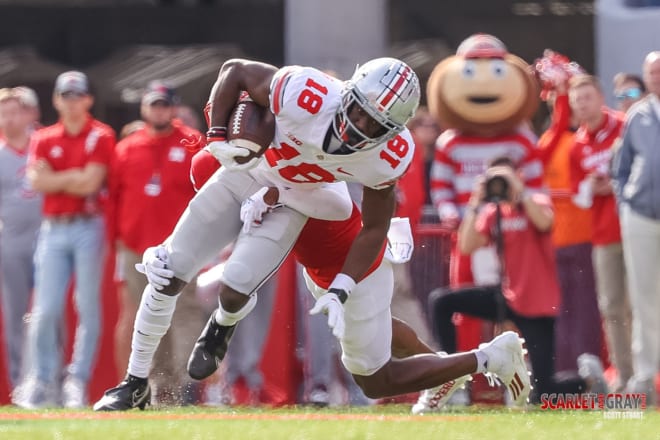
(132, 392)
(210, 349)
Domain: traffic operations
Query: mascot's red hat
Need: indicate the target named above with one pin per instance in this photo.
(482, 46)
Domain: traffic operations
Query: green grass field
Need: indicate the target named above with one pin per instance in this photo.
(378, 422)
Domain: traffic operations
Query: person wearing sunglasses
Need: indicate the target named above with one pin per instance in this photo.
(628, 89)
(634, 173)
(68, 163)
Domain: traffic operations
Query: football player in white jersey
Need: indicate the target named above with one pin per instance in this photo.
(327, 131)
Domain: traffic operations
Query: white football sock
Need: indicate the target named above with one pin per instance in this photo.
(482, 361)
(152, 320)
(225, 318)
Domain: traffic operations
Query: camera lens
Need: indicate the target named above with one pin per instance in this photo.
(497, 189)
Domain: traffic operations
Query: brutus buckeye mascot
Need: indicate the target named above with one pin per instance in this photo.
(484, 97)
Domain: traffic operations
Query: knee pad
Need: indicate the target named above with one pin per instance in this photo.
(239, 276)
(174, 288)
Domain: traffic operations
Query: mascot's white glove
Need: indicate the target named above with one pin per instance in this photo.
(154, 266)
(226, 153)
(254, 208)
(332, 302)
(400, 242)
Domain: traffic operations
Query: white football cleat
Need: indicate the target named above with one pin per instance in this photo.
(506, 362)
(434, 399)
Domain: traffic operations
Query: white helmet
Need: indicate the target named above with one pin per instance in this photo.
(388, 90)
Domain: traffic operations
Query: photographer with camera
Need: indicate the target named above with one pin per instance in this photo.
(519, 222)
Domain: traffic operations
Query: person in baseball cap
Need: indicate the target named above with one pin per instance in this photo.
(159, 91)
(72, 83)
(158, 107)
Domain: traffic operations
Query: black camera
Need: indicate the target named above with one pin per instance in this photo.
(497, 189)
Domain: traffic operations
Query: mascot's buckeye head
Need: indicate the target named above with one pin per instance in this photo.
(483, 90)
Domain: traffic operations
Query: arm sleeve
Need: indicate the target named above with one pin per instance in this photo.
(102, 153)
(531, 165)
(622, 163)
(278, 86)
(443, 193)
(36, 149)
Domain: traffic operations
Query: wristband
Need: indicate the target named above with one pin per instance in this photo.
(343, 283)
(341, 294)
(217, 133)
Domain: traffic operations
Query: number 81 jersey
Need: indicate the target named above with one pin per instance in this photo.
(305, 102)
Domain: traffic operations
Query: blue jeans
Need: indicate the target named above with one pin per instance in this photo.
(62, 249)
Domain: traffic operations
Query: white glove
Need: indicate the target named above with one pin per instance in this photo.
(585, 197)
(254, 208)
(154, 266)
(226, 153)
(400, 243)
(331, 306)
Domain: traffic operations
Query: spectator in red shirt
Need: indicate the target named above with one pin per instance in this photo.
(590, 159)
(528, 294)
(150, 189)
(578, 328)
(68, 163)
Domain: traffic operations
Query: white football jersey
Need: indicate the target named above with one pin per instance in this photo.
(305, 101)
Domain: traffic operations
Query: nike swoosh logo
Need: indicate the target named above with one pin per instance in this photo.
(343, 172)
(138, 397)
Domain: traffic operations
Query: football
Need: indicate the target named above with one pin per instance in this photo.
(251, 126)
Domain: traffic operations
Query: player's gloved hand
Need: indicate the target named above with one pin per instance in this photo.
(225, 151)
(331, 306)
(255, 206)
(332, 303)
(154, 266)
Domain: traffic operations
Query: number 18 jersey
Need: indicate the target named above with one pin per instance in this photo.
(305, 102)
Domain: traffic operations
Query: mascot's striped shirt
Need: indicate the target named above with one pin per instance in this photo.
(459, 159)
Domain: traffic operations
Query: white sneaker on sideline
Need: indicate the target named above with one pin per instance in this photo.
(74, 393)
(19, 395)
(646, 387)
(434, 399)
(35, 394)
(506, 362)
(590, 368)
